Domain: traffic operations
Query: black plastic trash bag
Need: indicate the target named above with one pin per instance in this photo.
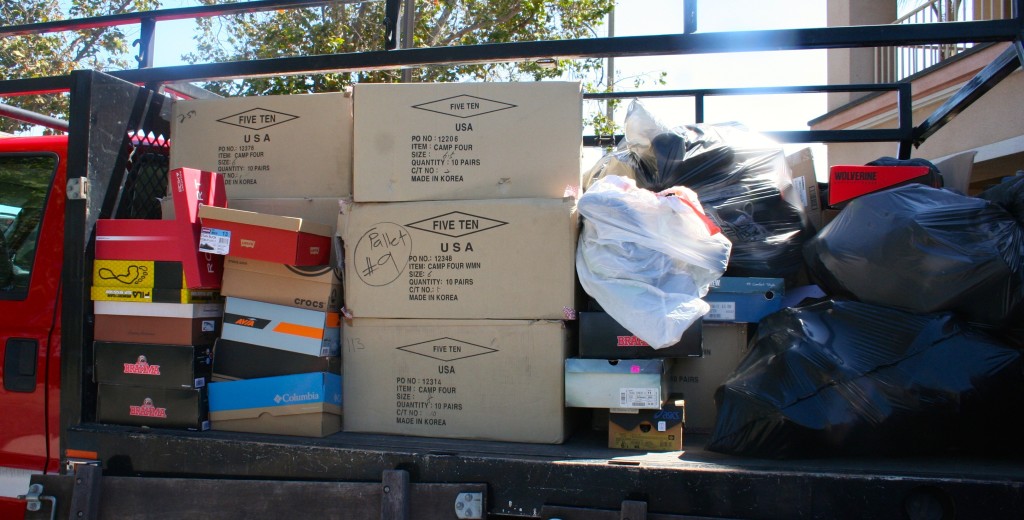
(923, 250)
(849, 378)
(741, 179)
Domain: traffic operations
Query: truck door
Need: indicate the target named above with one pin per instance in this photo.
(32, 196)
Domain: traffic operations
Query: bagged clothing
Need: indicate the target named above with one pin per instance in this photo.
(849, 378)
(648, 258)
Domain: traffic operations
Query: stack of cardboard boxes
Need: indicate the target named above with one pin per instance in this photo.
(287, 163)
(157, 311)
(459, 255)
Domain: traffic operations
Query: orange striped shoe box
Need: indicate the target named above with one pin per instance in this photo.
(304, 331)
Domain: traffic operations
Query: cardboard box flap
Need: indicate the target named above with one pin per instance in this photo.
(293, 224)
(319, 273)
(277, 411)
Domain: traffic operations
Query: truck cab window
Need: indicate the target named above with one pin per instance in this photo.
(24, 183)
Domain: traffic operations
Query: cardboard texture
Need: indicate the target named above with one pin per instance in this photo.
(494, 259)
(743, 299)
(160, 310)
(268, 146)
(321, 210)
(846, 183)
(158, 330)
(236, 360)
(170, 240)
(601, 337)
(497, 380)
(259, 236)
(623, 384)
(160, 366)
(696, 379)
(466, 141)
(135, 274)
(150, 295)
(315, 333)
(175, 408)
(312, 287)
(307, 405)
(805, 181)
(649, 430)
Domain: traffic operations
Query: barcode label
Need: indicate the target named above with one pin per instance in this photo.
(216, 241)
(721, 311)
(639, 397)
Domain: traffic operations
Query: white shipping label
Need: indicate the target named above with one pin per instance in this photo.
(662, 426)
(216, 241)
(801, 188)
(639, 397)
(721, 311)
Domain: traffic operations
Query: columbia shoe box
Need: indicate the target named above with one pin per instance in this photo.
(466, 140)
(175, 408)
(697, 379)
(461, 259)
(303, 331)
(163, 323)
(141, 364)
(268, 146)
(744, 299)
(465, 379)
(601, 337)
(306, 405)
(305, 287)
(234, 360)
(649, 430)
(261, 236)
(616, 384)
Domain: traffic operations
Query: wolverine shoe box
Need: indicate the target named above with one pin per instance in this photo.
(466, 379)
(601, 337)
(315, 333)
(310, 287)
(616, 384)
(176, 408)
(744, 300)
(236, 360)
(164, 323)
(466, 141)
(259, 236)
(307, 405)
(463, 259)
(269, 146)
(846, 183)
(649, 430)
(696, 379)
(141, 364)
(170, 240)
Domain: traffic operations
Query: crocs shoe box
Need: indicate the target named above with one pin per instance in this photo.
(307, 405)
(304, 331)
(306, 287)
(268, 146)
(466, 140)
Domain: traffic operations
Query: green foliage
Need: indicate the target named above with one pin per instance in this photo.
(55, 54)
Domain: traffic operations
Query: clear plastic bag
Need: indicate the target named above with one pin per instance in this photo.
(648, 258)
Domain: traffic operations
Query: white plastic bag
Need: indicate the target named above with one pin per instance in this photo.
(648, 258)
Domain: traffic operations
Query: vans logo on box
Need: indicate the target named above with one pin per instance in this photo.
(247, 243)
(630, 341)
(147, 410)
(447, 349)
(142, 367)
(456, 224)
(464, 106)
(257, 119)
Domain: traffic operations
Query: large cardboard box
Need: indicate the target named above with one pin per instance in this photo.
(315, 333)
(305, 287)
(259, 236)
(649, 430)
(616, 384)
(466, 140)
(170, 240)
(468, 379)
(307, 405)
(141, 364)
(601, 337)
(268, 146)
(744, 299)
(176, 408)
(462, 259)
(696, 379)
(234, 360)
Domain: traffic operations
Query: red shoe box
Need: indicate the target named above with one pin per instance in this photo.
(260, 236)
(849, 182)
(170, 240)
